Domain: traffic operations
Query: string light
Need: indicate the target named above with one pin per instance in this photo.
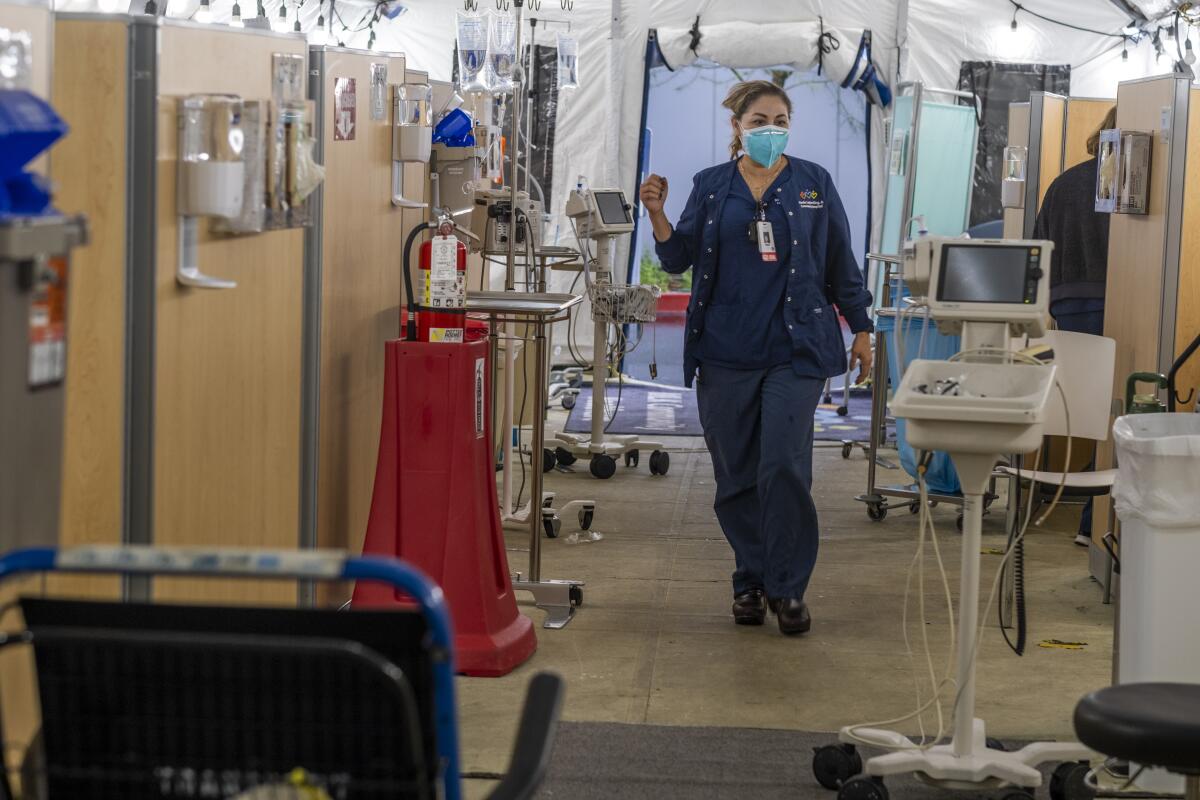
(1016, 8)
(319, 35)
(1189, 57)
(203, 13)
(1124, 51)
(236, 19)
(281, 22)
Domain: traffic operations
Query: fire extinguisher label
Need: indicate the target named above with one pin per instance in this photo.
(479, 364)
(445, 285)
(48, 325)
(444, 258)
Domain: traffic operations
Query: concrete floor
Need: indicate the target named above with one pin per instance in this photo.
(655, 642)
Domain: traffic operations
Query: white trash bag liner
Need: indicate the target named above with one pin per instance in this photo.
(1158, 469)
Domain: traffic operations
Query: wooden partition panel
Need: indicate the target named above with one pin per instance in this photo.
(1054, 111)
(1084, 115)
(360, 273)
(227, 362)
(90, 173)
(1187, 316)
(1139, 246)
(1018, 135)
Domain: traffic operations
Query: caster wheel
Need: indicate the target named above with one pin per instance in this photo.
(847, 449)
(575, 381)
(548, 459)
(551, 525)
(876, 512)
(568, 401)
(1068, 782)
(843, 411)
(834, 764)
(585, 518)
(660, 462)
(863, 787)
(633, 458)
(603, 467)
(959, 522)
(996, 744)
(914, 507)
(576, 593)
(548, 501)
(565, 457)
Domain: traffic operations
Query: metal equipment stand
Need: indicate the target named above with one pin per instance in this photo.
(609, 306)
(558, 598)
(876, 496)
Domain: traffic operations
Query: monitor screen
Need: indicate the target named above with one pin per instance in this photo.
(611, 206)
(977, 274)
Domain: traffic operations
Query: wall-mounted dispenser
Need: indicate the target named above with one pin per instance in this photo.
(412, 135)
(1012, 189)
(1123, 175)
(211, 176)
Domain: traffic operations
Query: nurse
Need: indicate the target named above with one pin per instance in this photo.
(769, 245)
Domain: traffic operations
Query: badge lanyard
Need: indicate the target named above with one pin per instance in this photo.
(762, 233)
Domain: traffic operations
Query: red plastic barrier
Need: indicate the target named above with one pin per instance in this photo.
(435, 503)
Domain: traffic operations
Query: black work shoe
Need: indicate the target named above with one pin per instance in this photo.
(793, 616)
(750, 608)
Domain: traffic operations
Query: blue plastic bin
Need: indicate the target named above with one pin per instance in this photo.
(28, 126)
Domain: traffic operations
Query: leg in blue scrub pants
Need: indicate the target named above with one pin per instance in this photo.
(758, 425)
(1083, 322)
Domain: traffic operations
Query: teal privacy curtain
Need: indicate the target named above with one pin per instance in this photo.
(945, 165)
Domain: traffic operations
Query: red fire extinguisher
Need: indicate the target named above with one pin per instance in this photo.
(442, 313)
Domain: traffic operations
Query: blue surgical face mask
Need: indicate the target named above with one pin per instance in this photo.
(766, 144)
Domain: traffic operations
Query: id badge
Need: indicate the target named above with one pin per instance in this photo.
(766, 240)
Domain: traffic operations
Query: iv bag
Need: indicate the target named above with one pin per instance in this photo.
(568, 62)
(472, 52)
(502, 52)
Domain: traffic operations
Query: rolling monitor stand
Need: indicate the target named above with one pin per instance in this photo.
(601, 215)
(978, 408)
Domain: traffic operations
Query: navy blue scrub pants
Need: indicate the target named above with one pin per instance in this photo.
(758, 425)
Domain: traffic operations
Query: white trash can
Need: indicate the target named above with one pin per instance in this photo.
(1157, 497)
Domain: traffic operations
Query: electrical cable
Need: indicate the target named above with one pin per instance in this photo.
(918, 560)
(1018, 7)
(519, 450)
(1018, 567)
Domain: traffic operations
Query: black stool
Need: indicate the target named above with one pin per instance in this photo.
(1156, 724)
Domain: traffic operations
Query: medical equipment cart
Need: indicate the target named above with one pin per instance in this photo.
(136, 697)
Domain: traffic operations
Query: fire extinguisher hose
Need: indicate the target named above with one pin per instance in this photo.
(411, 328)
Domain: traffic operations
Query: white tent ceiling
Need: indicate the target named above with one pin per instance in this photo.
(598, 125)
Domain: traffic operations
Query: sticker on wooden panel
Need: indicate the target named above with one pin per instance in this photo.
(345, 111)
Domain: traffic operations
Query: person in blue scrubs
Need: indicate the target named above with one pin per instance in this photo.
(769, 245)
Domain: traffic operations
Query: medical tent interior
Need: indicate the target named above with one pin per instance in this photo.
(599, 399)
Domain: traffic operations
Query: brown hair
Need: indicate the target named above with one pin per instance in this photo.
(1110, 122)
(745, 94)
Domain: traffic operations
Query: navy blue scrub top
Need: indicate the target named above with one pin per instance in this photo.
(745, 328)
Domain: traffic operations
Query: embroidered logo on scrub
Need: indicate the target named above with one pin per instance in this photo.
(811, 199)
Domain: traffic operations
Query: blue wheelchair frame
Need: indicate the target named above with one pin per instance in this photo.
(281, 565)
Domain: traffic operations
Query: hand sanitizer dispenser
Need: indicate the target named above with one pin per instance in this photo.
(412, 135)
(211, 176)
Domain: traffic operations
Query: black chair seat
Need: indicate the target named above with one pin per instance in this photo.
(1155, 724)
